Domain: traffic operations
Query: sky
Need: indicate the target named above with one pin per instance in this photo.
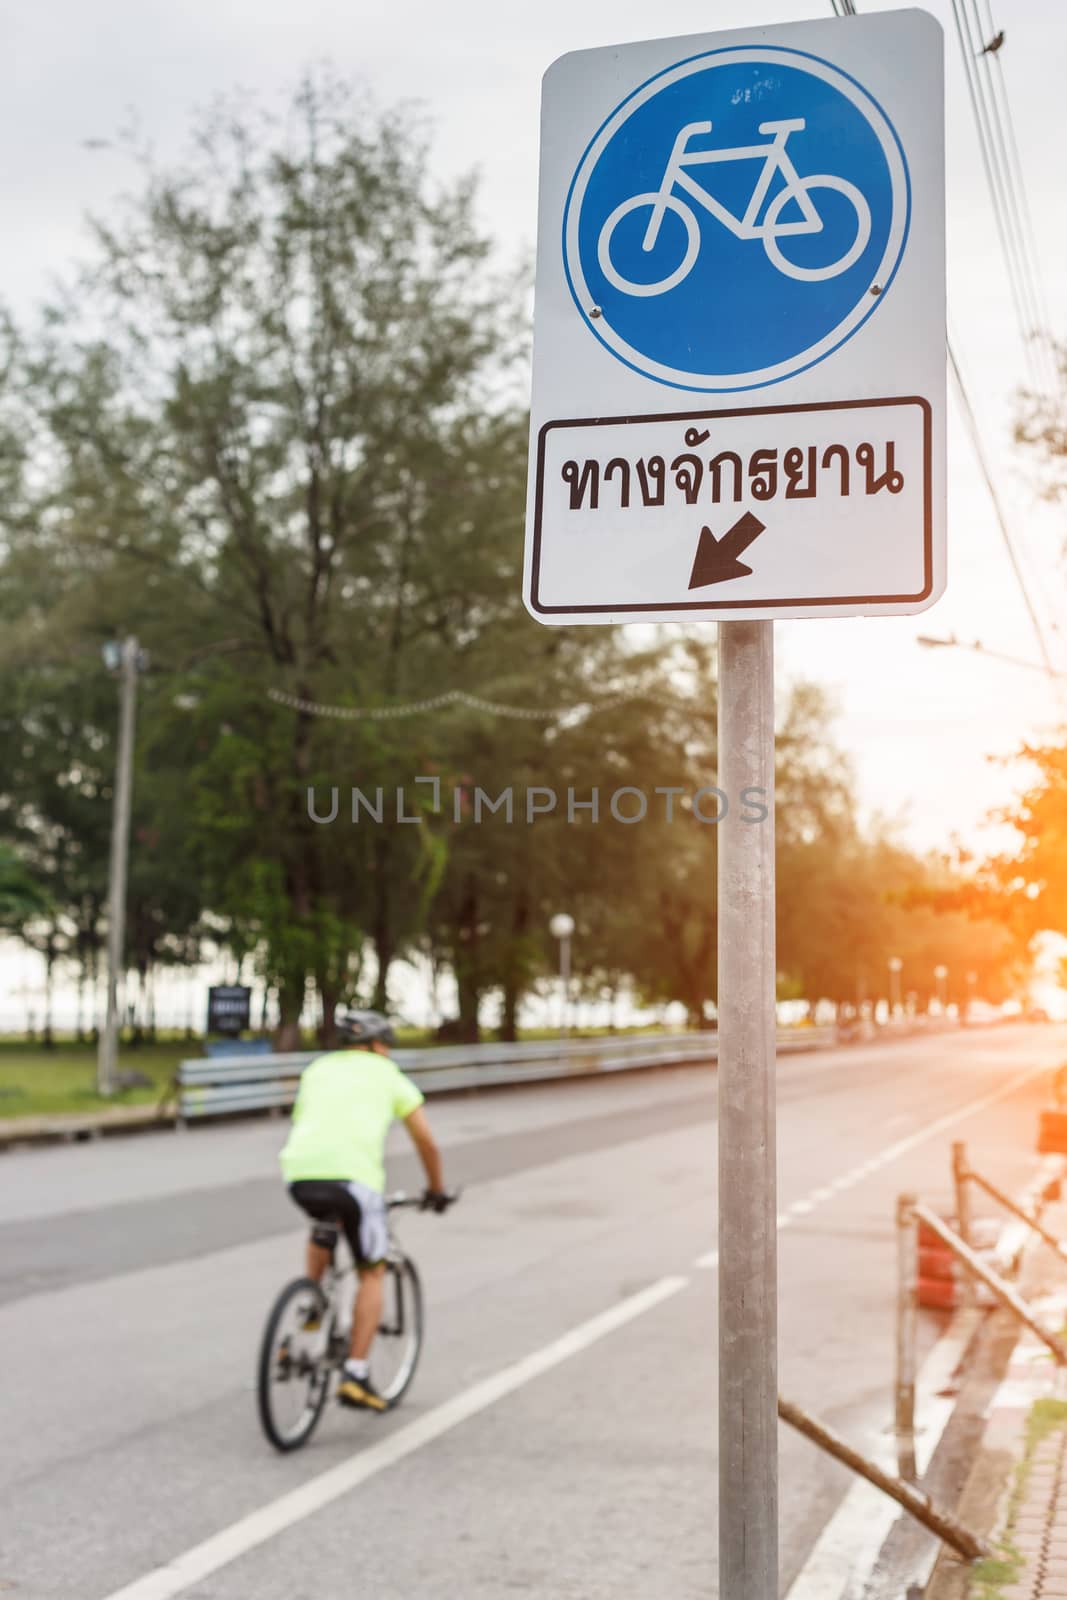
(928, 730)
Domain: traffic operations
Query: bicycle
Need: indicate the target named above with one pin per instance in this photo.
(775, 161)
(296, 1366)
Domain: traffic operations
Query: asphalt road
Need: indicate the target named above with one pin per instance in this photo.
(135, 1275)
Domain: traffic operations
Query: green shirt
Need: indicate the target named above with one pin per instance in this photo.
(344, 1109)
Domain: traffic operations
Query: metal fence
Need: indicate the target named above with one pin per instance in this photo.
(222, 1085)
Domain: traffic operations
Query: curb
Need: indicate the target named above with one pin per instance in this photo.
(1027, 1459)
(83, 1127)
(76, 1128)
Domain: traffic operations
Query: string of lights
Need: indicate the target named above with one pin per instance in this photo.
(460, 697)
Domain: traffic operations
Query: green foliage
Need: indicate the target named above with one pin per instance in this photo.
(21, 896)
(993, 1576)
(1047, 1416)
(34, 1083)
(1030, 883)
(997, 1574)
(272, 433)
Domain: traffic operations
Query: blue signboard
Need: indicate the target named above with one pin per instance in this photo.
(736, 219)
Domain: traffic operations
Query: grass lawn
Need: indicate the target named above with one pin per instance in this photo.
(35, 1081)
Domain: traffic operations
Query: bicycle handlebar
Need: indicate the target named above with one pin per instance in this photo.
(403, 1201)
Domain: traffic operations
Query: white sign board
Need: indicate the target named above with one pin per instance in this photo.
(739, 341)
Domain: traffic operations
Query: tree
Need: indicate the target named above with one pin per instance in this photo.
(1027, 887)
(504, 875)
(271, 414)
(21, 896)
(272, 432)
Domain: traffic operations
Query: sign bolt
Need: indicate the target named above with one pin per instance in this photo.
(876, 288)
(595, 311)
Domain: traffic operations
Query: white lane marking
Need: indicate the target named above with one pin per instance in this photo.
(817, 1197)
(848, 1548)
(935, 1397)
(849, 1545)
(255, 1529)
(902, 1146)
(1016, 1235)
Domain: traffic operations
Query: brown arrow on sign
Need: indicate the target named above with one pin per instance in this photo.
(716, 560)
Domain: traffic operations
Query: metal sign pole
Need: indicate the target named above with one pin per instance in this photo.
(107, 1049)
(748, 1266)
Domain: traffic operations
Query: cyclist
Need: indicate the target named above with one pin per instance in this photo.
(334, 1165)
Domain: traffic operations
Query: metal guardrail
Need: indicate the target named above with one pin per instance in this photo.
(906, 1494)
(225, 1085)
(959, 1241)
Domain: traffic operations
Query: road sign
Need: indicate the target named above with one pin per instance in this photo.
(740, 319)
(738, 412)
(229, 1008)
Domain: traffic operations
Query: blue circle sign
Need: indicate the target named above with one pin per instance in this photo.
(736, 219)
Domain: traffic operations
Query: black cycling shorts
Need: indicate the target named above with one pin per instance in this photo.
(359, 1211)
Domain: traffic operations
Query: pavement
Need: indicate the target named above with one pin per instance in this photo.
(560, 1437)
(1016, 1494)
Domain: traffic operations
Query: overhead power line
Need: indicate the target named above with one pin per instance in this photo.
(998, 81)
(1024, 316)
(952, 643)
(981, 45)
(1008, 194)
(988, 97)
(971, 422)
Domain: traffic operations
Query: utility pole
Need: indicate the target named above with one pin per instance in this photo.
(748, 1241)
(126, 657)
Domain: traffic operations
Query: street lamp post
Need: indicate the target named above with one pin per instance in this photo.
(941, 973)
(895, 968)
(561, 927)
(125, 659)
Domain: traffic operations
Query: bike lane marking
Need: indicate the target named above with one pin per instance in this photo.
(191, 1567)
(804, 1207)
(200, 1561)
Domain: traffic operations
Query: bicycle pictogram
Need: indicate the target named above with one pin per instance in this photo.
(770, 229)
(736, 218)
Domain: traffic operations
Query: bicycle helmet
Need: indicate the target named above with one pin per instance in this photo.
(363, 1027)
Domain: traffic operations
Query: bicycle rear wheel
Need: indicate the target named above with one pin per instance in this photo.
(396, 1350)
(293, 1377)
(677, 272)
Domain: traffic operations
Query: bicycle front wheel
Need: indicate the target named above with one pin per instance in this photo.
(293, 1377)
(396, 1350)
(859, 227)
